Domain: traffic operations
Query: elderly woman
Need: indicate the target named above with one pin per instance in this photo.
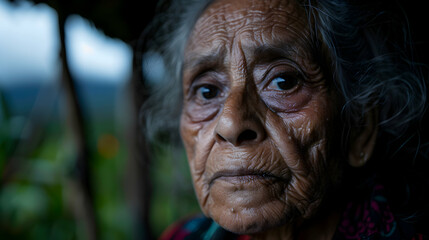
(294, 117)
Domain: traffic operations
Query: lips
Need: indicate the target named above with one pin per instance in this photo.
(245, 175)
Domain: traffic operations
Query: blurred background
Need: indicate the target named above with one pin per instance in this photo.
(73, 162)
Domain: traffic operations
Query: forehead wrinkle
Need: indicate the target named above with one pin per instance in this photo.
(212, 22)
(255, 23)
(222, 25)
(255, 43)
(225, 19)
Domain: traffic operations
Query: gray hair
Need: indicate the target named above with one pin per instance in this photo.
(165, 42)
(369, 54)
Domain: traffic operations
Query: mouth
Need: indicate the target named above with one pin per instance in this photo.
(245, 176)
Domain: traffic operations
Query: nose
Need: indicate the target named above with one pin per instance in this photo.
(239, 122)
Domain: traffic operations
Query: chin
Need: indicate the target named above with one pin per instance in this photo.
(256, 207)
(251, 220)
(247, 210)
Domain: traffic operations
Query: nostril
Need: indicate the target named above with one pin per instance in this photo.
(219, 137)
(247, 135)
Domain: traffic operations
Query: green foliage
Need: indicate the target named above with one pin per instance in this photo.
(32, 201)
(37, 201)
(173, 195)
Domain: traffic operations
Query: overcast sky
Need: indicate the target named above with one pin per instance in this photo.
(29, 47)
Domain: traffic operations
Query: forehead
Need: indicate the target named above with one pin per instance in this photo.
(226, 24)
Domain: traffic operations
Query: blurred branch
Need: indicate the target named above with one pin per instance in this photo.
(139, 184)
(84, 203)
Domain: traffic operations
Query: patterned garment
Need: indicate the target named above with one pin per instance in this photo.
(199, 227)
(363, 219)
(372, 218)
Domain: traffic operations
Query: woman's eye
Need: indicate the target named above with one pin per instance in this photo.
(283, 83)
(208, 91)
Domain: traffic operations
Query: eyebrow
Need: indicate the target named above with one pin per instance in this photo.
(268, 53)
(261, 54)
(212, 59)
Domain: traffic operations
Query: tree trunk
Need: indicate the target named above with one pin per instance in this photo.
(82, 194)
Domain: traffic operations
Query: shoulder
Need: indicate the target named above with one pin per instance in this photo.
(198, 227)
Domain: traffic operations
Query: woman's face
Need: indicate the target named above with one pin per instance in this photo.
(258, 116)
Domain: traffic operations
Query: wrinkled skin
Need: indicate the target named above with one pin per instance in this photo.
(258, 118)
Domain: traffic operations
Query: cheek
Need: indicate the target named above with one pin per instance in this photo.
(188, 133)
(304, 140)
(198, 144)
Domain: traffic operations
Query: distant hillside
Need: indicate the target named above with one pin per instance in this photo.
(98, 100)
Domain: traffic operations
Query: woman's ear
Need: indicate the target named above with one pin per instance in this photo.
(363, 138)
